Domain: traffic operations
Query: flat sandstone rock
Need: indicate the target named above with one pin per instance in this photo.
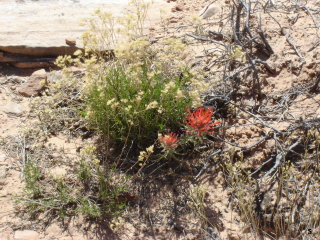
(31, 25)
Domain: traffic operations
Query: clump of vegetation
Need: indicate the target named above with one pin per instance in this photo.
(125, 98)
(93, 190)
(133, 109)
(61, 106)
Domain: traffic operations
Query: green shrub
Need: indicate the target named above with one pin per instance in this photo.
(128, 108)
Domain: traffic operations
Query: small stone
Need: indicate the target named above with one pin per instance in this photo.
(3, 174)
(177, 8)
(173, 20)
(34, 85)
(13, 108)
(71, 42)
(26, 235)
(208, 11)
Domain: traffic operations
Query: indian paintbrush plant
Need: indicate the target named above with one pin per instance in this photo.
(198, 123)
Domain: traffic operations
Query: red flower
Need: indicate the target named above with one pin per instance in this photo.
(169, 140)
(200, 120)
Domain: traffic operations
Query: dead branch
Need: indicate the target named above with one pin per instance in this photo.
(315, 45)
(291, 43)
(279, 157)
(287, 36)
(311, 15)
(217, 35)
(316, 84)
(265, 41)
(205, 39)
(256, 117)
(206, 165)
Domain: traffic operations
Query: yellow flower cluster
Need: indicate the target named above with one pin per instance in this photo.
(237, 54)
(88, 152)
(113, 103)
(170, 85)
(179, 94)
(144, 155)
(152, 105)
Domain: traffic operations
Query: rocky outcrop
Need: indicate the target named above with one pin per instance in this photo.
(39, 51)
(38, 57)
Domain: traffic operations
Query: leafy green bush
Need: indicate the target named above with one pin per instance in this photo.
(126, 108)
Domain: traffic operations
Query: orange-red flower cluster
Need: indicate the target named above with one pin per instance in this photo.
(200, 120)
(169, 140)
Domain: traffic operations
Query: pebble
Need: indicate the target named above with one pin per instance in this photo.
(71, 42)
(26, 235)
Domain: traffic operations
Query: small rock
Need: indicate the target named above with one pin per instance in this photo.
(26, 235)
(3, 174)
(14, 108)
(71, 42)
(177, 8)
(173, 20)
(34, 85)
(208, 11)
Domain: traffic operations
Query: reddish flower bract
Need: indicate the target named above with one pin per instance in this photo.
(169, 140)
(200, 120)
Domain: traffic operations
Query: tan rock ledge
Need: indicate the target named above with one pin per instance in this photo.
(41, 27)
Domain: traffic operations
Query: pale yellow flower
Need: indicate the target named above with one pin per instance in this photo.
(111, 101)
(179, 94)
(150, 149)
(152, 105)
